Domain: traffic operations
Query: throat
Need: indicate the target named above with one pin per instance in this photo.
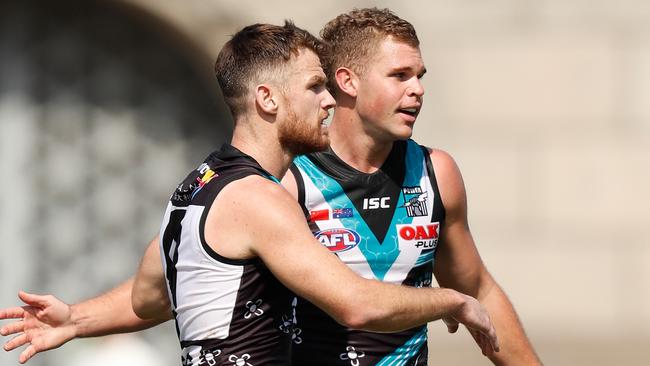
(366, 158)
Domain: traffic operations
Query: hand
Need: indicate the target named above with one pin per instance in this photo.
(477, 320)
(45, 323)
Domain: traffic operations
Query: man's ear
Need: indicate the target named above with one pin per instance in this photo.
(347, 81)
(266, 99)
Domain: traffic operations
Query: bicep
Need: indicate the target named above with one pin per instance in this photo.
(458, 263)
(149, 295)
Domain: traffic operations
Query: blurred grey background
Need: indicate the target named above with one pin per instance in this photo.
(104, 105)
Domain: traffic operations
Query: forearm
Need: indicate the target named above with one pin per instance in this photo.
(108, 314)
(407, 307)
(516, 348)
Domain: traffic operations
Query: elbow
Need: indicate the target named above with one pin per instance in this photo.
(354, 319)
(150, 309)
(363, 311)
(361, 315)
(139, 307)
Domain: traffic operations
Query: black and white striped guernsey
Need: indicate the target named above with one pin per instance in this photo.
(227, 311)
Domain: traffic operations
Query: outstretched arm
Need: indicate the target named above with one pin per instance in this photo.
(46, 322)
(459, 266)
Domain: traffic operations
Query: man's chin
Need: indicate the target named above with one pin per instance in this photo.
(307, 147)
(404, 133)
(321, 145)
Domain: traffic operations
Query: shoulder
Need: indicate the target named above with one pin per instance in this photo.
(444, 165)
(257, 201)
(255, 190)
(448, 176)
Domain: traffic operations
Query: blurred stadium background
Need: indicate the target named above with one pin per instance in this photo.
(104, 105)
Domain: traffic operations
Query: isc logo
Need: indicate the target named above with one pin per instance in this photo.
(338, 240)
(375, 203)
(422, 236)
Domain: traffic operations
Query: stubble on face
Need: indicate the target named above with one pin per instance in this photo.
(299, 137)
(306, 100)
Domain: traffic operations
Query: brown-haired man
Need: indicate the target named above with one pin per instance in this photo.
(225, 263)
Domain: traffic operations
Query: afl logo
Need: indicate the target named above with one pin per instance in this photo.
(338, 240)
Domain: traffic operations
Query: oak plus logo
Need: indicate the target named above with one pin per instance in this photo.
(420, 236)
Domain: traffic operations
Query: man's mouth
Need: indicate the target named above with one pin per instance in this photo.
(325, 120)
(410, 111)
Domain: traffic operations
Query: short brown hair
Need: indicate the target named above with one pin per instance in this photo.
(258, 53)
(353, 36)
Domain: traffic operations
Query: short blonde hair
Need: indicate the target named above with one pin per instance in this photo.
(353, 36)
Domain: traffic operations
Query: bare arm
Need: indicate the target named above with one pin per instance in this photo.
(149, 296)
(459, 266)
(46, 322)
(286, 245)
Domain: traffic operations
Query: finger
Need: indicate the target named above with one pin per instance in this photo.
(486, 347)
(16, 342)
(452, 328)
(489, 341)
(28, 353)
(12, 313)
(12, 328)
(480, 340)
(452, 325)
(33, 299)
(494, 340)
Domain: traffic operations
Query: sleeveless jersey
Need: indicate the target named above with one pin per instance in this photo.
(384, 226)
(227, 311)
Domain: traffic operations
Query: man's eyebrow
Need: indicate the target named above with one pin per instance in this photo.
(317, 79)
(408, 68)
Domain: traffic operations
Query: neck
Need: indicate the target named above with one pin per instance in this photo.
(353, 144)
(263, 146)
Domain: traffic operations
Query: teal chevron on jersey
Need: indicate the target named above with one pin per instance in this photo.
(379, 255)
(403, 354)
